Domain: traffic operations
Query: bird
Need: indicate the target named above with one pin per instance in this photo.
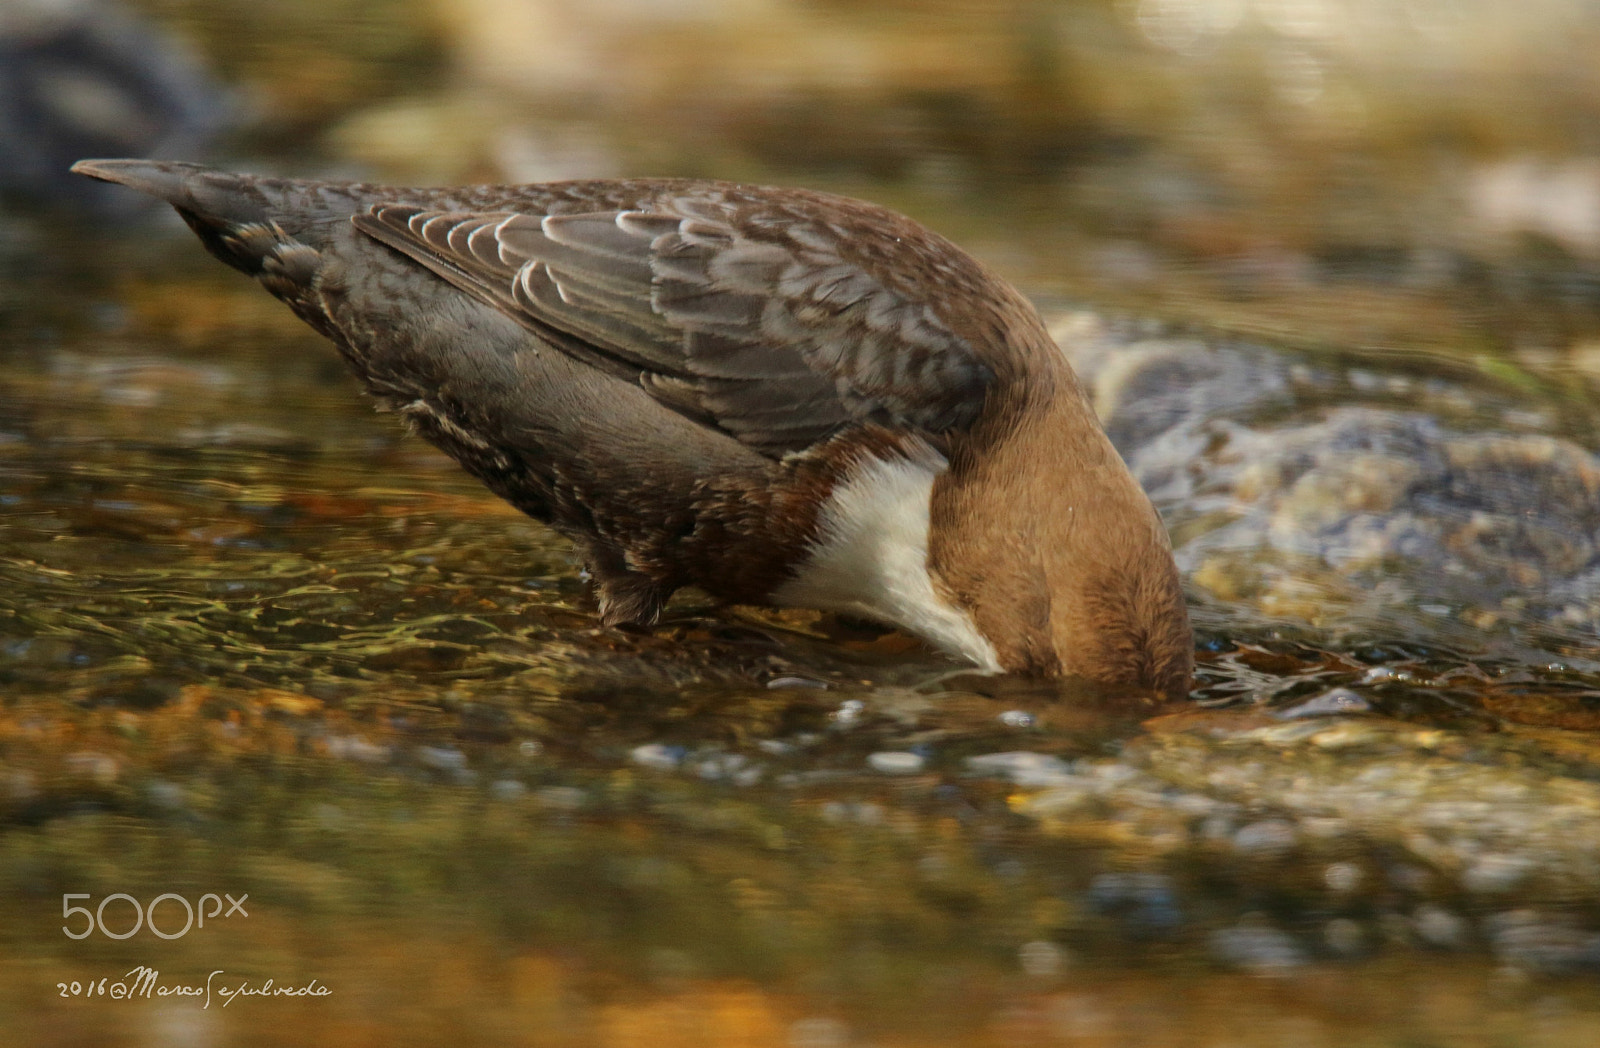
(779, 396)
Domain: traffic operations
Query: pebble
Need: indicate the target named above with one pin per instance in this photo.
(730, 767)
(507, 789)
(443, 758)
(896, 762)
(561, 798)
(1493, 873)
(1266, 839)
(1343, 877)
(1344, 936)
(1041, 959)
(849, 712)
(1257, 946)
(1411, 878)
(818, 1033)
(20, 786)
(1438, 927)
(778, 683)
(862, 813)
(1147, 903)
(355, 748)
(657, 755)
(91, 765)
(168, 795)
(1023, 768)
(1533, 941)
(719, 766)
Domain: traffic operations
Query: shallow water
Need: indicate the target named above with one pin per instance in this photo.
(256, 641)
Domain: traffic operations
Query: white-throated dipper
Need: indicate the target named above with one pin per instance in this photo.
(779, 396)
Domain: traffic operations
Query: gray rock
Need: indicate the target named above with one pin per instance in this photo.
(1330, 493)
(1257, 946)
(1534, 941)
(1440, 928)
(1266, 839)
(81, 78)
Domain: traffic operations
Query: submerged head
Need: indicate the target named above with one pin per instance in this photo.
(1045, 538)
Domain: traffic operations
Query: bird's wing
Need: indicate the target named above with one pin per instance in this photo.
(774, 332)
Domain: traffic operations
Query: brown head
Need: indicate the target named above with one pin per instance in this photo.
(1043, 536)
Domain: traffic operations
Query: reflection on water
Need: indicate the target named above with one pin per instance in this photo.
(255, 641)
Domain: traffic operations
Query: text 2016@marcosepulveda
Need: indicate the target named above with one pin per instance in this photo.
(145, 983)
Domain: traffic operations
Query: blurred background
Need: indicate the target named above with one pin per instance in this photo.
(1331, 272)
(1377, 173)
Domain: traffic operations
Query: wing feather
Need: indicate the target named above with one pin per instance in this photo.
(773, 331)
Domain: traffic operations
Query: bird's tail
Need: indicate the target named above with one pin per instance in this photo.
(232, 214)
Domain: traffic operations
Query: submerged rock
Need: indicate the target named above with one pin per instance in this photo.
(1256, 946)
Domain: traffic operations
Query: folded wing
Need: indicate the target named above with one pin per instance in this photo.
(775, 332)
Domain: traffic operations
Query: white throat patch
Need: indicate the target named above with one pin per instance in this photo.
(870, 557)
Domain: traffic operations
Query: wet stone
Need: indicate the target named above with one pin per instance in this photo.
(1538, 942)
(442, 758)
(167, 795)
(1490, 874)
(1018, 719)
(779, 683)
(818, 1032)
(1354, 502)
(657, 755)
(1041, 959)
(1257, 946)
(895, 762)
(561, 798)
(1343, 877)
(1439, 927)
(356, 748)
(1022, 768)
(1345, 937)
(1267, 839)
(1145, 903)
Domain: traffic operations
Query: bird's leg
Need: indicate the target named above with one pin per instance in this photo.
(626, 597)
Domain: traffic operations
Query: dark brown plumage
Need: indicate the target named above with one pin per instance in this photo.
(760, 392)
